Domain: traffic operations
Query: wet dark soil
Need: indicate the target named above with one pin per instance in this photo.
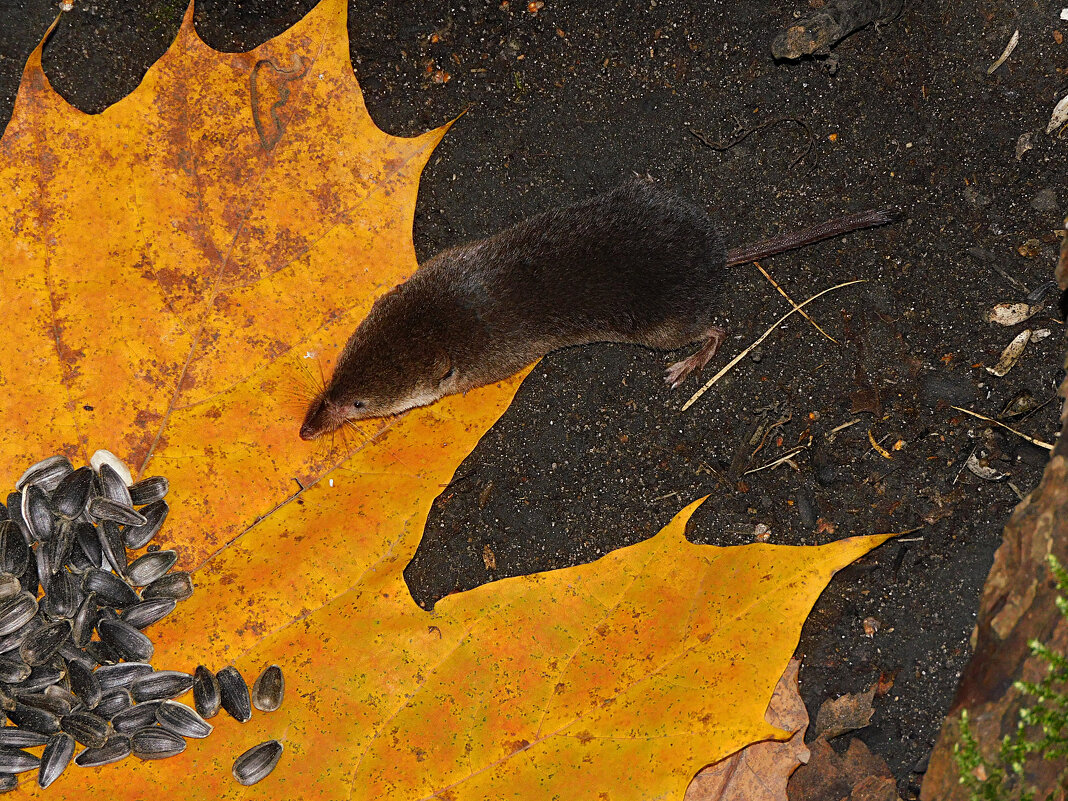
(595, 452)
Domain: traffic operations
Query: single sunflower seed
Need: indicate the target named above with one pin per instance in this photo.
(156, 743)
(40, 646)
(206, 694)
(47, 473)
(12, 760)
(148, 612)
(57, 755)
(161, 684)
(17, 737)
(13, 669)
(130, 643)
(112, 702)
(149, 490)
(90, 730)
(110, 589)
(182, 720)
(146, 569)
(136, 717)
(177, 585)
(233, 691)
(121, 675)
(71, 495)
(116, 748)
(257, 762)
(269, 689)
(38, 513)
(17, 612)
(139, 536)
(29, 717)
(14, 552)
(84, 684)
(108, 509)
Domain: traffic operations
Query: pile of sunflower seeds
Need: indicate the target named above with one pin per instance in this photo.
(74, 659)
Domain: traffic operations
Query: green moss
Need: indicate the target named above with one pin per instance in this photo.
(1041, 733)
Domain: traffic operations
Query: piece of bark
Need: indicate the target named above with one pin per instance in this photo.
(1018, 604)
(856, 775)
(815, 34)
(839, 715)
(759, 772)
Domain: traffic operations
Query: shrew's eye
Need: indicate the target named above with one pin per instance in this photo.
(450, 374)
(357, 404)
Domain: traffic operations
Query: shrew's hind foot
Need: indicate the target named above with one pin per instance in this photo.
(680, 371)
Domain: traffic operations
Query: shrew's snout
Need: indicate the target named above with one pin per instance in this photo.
(321, 418)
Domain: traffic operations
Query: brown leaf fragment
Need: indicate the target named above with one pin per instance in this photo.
(759, 772)
(839, 715)
(856, 775)
(488, 558)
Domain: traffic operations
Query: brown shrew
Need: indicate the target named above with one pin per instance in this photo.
(638, 264)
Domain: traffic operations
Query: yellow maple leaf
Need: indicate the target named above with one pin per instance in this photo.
(167, 264)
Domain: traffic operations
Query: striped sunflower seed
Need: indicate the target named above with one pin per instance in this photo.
(28, 717)
(117, 747)
(110, 589)
(38, 514)
(17, 612)
(84, 684)
(182, 720)
(88, 542)
(206, 695)
(148, 612)
(156, 743)
(149, 490)
(108, 509)
(233, 692)
(57, 755)
(111, 545)
(177, 585)
(14, 553)
(88, 729)
(128, 642)
(137, 717)
(139, 536)
(12, 760)
(49, 703)
(16, 737)
(121, 675)
(71, 495)
(13, 670)
(257, 762)
(146, 569)
(161, 684)
(84, 621)
(112, 702)
(40, 646)
(46, 473)
(113, 487)
(64, 595)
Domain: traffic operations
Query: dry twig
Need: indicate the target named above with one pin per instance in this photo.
(726, 368)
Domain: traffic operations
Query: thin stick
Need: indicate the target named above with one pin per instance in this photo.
(791, 302)
(785, 458)
(1032, 440)
(762, 337)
